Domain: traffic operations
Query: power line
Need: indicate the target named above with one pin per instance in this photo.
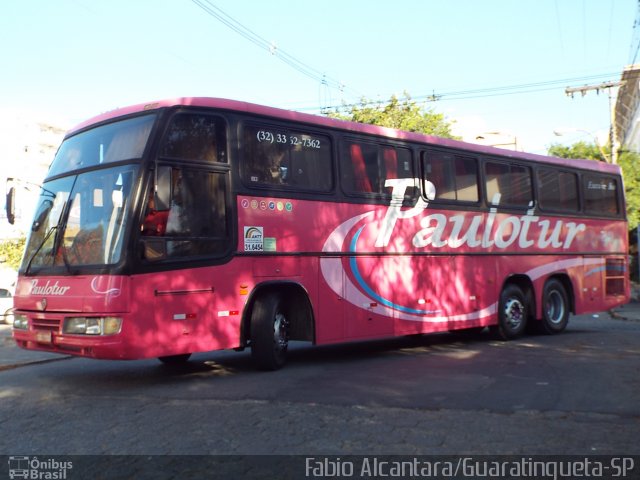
(523, 86)
(270, 47)
(518, 89)
(329, 82)
(601, 86)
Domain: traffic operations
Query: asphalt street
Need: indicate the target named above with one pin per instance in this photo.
(574, 393)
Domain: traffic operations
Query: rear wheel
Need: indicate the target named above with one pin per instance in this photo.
(555, 307)
(512, 313)
(269, 332)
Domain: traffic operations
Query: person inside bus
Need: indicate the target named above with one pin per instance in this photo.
(180, 212)
(155, 221)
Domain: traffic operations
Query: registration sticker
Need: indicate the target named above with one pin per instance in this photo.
(253, 239)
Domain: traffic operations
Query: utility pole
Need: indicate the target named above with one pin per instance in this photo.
(570, 91)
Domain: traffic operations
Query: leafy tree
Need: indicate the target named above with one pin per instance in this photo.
(403, 114)
(589, 151)
(11, 252)
(628, 161)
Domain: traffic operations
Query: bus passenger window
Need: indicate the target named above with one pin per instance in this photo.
(508, 185)
(155, 221)
(557, 190)
(600, 195)
(196, 222)
(363, 160)
(366, 167)
(195, 137)
(390, 162)
(454, 177)
(276, 157)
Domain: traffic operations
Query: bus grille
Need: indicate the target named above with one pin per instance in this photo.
(45, 324)
(615, 276)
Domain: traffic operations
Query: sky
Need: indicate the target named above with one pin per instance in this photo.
(72, 59)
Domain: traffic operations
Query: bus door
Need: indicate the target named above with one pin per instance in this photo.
(187, 223)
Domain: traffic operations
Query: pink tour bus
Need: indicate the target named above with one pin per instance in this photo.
(200, 224)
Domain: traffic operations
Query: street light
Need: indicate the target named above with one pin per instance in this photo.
(563, 131)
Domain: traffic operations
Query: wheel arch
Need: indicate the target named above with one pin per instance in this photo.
(299, 310)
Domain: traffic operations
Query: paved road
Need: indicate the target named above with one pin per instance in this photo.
(575, 393)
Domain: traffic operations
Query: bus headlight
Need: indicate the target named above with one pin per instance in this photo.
(92, 325)
(20, 321)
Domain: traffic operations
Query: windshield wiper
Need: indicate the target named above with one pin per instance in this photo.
(35, 254)
(58, 242)
(59, 228)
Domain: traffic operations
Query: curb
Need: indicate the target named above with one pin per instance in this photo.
(26, 363)
(15, 357)
(621, 316)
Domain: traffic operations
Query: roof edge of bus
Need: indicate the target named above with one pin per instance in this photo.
(267, 111)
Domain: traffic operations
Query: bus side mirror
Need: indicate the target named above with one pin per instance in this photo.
(162, 191)
(10, 206)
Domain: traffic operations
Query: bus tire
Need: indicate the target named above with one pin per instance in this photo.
(555, 308)
(175, 359)
(512, 313)
(269, 332)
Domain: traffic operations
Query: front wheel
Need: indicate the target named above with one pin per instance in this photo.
(555, 308)
(269, 332)
(512, 313)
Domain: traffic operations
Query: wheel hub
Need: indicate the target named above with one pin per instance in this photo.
(555, 307)
(514, 312)
(281, 331)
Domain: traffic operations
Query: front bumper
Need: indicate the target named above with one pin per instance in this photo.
(44, 333)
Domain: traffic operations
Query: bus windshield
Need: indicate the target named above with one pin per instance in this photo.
(80, 220)
(114, 142)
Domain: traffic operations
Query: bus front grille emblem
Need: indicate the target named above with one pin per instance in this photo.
(42, 304)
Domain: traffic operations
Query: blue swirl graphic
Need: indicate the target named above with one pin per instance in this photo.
(369, 291)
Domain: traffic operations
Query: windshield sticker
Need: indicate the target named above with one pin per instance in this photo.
(270, 245)
(253, 239)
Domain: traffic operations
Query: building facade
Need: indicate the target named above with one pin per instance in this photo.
(627, 111)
